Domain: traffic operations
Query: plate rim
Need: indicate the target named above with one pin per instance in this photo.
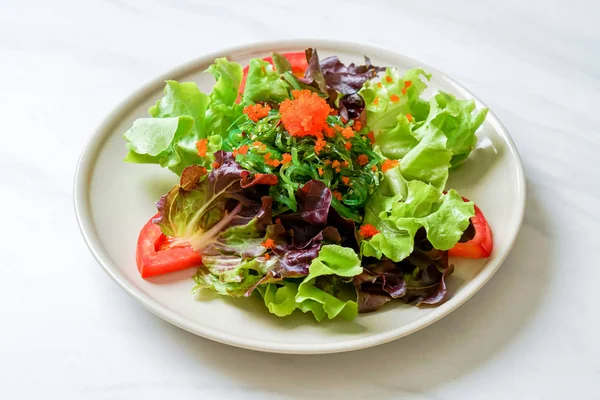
(89, 154)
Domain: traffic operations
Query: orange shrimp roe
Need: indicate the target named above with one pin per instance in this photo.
(345, 164)
(371, 137)
(347, 132)
(357, 125)
(346, 180)
(368, 231)
(394, 98)
(333, 112)
(202, 147)
(286, 158)
(327, 162)
(409, 117)
(267, 256)
(256, 111)
(319, 145)
(320, 169)
(329, 132)
(306, 115)
(259, 145)
(336, 165)
(363, 160)
(407, 84)
(270, 162)
(348, 146)
(268, 244)
(388, 164)
(388, 79)
(337, 195)
(374, 168)
(216, 164)
(243, 149)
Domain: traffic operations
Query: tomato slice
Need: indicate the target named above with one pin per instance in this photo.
(157, 254)
(482, 243)
(297, 60)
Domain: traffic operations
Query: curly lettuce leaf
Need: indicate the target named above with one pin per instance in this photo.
(399, 208)
(458, 121)
(321, 292)
(420, 278)
(223, 111)
(264, 83)
(200, 207)
(391, 96)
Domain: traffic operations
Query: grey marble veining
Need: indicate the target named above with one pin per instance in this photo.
(68, 332)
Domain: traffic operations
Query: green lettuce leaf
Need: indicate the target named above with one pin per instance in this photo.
(264, 83)
(399, 208)
(382, 112)
(321, 292)
(429, 160)
(458, 121)
(222, 110)
(152, 140)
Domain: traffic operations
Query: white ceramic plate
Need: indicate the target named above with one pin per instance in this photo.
(114, 199)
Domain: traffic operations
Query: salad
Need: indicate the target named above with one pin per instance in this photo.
(317, 185)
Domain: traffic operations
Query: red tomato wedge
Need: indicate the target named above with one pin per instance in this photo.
(482, 243)
(297, 60)
(158, 254)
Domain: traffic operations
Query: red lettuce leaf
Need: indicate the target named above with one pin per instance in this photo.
(420, 278)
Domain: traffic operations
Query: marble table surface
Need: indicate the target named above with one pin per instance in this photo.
(68, 332)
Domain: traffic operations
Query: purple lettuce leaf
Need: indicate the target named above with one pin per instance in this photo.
(201, 207)
(419, 279)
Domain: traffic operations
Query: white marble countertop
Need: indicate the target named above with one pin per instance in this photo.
(68, 332)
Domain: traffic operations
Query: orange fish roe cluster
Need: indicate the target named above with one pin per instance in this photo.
(394, 98)
(371, 137)
(216, 164)
(337, 195)
(306, 115)
(336, 165)
(329, 132)
(259, 145)
(368, 231)
(346, 180)
(348, 146)
(407, 84)
(202, 170)
(409, 117)
(363, 160)
(374, 168)
(320, 171)
(347, 132)
(256, 111)
(268, 244)
(388, 79)
(286, 158)
(376, 101)
(333, 112)
(388, 164)
(243, 149)
(319, 145)
(345, 164)
(327, 162)
(267, 256)
(357, 125)
(202, 147)
(270, 162)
